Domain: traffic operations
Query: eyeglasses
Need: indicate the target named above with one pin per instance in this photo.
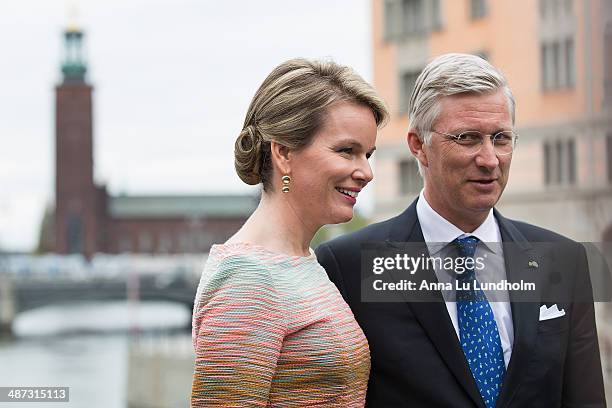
(471, 141)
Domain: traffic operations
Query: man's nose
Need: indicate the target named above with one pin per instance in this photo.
(486, 156)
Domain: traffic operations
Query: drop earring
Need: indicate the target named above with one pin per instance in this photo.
(286, 180)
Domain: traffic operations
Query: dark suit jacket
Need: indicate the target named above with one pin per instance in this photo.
(417, 360)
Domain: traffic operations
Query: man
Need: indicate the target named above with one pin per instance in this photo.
(535, 353)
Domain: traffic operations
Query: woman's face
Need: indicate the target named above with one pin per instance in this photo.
(328, 174)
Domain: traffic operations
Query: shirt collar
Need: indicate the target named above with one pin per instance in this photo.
(437, 229)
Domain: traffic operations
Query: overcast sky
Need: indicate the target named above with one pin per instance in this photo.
(172, 81)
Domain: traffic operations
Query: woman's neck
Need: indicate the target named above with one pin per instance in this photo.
(278, 226)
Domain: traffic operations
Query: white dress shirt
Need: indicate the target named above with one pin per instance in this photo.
(438, 232)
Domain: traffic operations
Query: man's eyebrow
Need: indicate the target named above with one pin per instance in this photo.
(467, 129)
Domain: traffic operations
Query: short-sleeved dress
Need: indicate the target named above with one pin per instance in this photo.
(272, 330)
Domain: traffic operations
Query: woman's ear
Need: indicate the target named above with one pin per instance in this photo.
(281, 157)
(415, 144)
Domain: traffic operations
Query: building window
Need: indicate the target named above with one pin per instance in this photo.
(436, 14)
(145, 242)
(560, 162)
(558, 64)
(74, 234)
(393, 22)
(410, 179)
(570, 74)
(407, 81)
(555, 9)
(478, 9)
(413, 17)
(557, 45)
(406, 18)
(185, 243)
(571, 161)
(608, 65)
(547, 163)
(204, 241)
(125, 244)
(609, 151)
(164, 244)
(545, 65)
(543, 9)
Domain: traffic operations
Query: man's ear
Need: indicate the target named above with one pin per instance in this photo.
(281, 157)
(415, 144)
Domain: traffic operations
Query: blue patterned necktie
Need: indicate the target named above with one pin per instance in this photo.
(478, 331)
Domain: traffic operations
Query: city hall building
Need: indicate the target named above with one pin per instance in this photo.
(87, 220)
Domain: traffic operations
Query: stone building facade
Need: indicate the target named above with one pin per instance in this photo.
(557, 56)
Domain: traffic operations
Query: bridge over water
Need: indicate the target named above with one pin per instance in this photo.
(31, 282)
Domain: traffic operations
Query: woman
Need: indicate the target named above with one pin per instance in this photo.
(269, 328)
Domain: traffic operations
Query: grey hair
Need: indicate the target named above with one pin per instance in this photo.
(451, 74)
(290, 107)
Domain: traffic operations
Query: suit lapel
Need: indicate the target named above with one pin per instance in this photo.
(433, 316)
(517, 255)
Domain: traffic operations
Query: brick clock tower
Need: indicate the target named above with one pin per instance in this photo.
(78, 202)
(88, 221)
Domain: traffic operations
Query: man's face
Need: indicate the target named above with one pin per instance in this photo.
(461, 186)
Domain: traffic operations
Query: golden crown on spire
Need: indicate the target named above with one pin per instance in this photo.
(73, 26)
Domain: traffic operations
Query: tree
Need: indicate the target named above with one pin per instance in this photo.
(328, 232)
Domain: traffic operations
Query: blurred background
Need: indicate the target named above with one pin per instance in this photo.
(116, 176)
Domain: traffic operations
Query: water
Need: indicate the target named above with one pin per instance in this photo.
(82, 346)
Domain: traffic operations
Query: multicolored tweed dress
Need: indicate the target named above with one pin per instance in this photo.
(271, 330)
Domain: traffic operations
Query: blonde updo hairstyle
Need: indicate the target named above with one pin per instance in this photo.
(290, 107)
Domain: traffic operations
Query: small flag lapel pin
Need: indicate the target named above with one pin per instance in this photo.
(533, 264)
